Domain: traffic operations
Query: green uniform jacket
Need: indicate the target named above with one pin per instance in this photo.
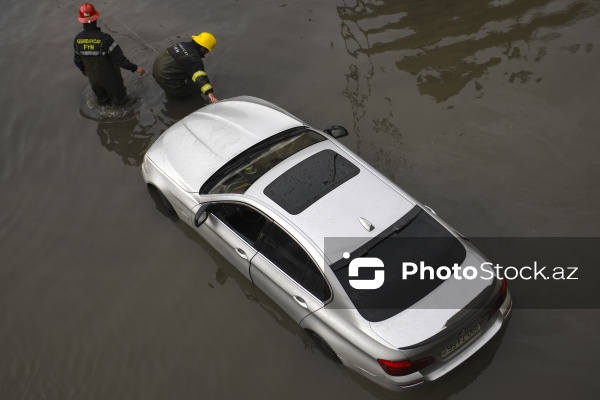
(177, 65)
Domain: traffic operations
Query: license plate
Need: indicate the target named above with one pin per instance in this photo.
(464, 337)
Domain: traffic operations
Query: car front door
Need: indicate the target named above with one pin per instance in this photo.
(288, 275)
(234, 230)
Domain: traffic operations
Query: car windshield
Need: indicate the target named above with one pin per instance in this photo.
(418, 238)
(240, 173)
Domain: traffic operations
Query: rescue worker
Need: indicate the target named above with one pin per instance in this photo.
(99, 57)
(183, 62)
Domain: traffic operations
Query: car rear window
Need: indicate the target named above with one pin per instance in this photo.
(308, 181)
(423, 239)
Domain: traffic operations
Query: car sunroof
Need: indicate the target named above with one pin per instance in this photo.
(310, 180)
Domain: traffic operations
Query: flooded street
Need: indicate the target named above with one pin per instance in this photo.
(485, 111)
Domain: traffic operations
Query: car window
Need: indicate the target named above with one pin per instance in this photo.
(310, 180)
(418, 239)
(291, 258)
(240, 173)
(244, 220)
(314, 282)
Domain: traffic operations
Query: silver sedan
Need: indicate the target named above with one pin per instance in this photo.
(331, 240)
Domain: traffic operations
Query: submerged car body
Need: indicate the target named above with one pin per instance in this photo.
(291, 207)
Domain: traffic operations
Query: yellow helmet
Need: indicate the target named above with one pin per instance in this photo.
(205, 40)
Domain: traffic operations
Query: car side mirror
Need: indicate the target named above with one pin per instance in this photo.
(201, 215)
(336, 131)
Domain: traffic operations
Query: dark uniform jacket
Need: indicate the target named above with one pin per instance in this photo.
(179, 63)
(99, 57)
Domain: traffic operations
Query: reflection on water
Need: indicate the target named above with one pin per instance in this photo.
(226, 270)
(128, 139)
(129, 130)
(448, 44)
(390, 158)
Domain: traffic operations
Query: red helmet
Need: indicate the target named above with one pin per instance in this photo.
(87, 13)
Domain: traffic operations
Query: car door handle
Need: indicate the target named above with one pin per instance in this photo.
(300, 301)
(241, 253)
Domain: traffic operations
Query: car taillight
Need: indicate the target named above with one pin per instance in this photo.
(404, 367)
(496, 306)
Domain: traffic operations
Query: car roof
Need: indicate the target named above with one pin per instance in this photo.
(198, 145)
(192, 150)
(333, 222)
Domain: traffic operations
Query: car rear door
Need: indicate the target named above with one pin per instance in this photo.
(288, 275)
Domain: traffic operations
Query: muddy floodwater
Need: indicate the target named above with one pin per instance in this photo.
(486, 111)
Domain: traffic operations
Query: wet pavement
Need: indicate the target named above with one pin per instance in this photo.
(486, 112)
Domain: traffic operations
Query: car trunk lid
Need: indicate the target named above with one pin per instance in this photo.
(444, 309)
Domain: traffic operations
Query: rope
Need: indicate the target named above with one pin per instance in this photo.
(131, 30)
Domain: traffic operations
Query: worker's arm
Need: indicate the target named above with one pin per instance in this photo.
(117, 57)
(195, 68)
